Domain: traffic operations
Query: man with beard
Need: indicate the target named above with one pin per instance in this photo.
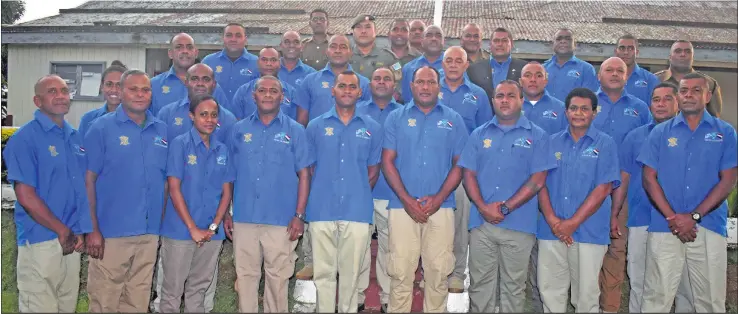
(244, 104)
(417, 29)
(169, 86)
(46, 164)
(367, 55)
(565, 70)
(501, 66)
(234, 65)
(313, 53)
(681, 58)
(292, 70)
(640, 82)
(110, 88)
(433, 42)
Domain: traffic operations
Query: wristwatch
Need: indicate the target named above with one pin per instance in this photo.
(300, 216)
(213, 228)
(696, 216)
(504, 209)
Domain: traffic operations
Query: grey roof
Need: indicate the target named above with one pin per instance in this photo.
(710, 24)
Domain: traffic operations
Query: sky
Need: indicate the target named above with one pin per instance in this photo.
(36, 9)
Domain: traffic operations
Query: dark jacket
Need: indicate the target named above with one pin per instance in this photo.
(480, 73)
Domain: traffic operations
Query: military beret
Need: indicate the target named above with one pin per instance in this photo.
(361, 18)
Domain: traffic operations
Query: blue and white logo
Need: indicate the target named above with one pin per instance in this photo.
(159, 141)
(713, 137)
(246, 72)
(574, 73)
(550, 114)
(445, 124)
(221, 160)
(523, 142)
(79, 150)
(630, 111)
(282, 138)
(591, 152)
(363, 133)
(640, 83)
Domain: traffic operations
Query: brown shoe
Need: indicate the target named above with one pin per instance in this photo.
(455, 285)
(306, 273)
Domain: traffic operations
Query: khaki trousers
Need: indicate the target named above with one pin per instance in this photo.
(121, 281)
(47, 280)
(576, 267)
(706, 264)
(533, 279)
(159, 280)
(461, 232)
(612, 274)
(409, 241)
(339, 249)
(252, 245)
(380, 223)
(187, 269)
(637, 252)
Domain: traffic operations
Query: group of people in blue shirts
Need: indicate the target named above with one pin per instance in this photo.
(262, 149)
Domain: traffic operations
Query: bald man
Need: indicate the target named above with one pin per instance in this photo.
(46, 164)
(617, 114)
(292, 70)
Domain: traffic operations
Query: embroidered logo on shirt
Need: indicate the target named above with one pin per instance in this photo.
(574, 73)
(328, 131)
(79, 150)
(640, 83)
(177, 121)
(218, 69)
(124, 140)
(557, 155)
(523, 142)
(630, 112)
(440, 95)
(298, 81)
(247, 137)
(282, 138)
(287, 100)
(411, 122)
(52, 151)
(672, 142)
(221, 160)
(363, 133)
(192, 159)
(470, 96)
(397, 66)
(165, 89)
(159, 141)
(246, 72)
(714, 137)
(487, 143)
(324, 84)
(591, 151)
(444, 124)
(550, 114)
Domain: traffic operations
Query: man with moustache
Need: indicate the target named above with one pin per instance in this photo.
(367, 56)
(640, 82)
(291, 69)
(423, 141)
(664, 106)
(347, 149)
(417, 29)
(169, 86)
(681, 58)
(244, 104)
(46, 164)
(271, 191)
(378, 108)
(126, 187)
(234, 65)
(314, 97)
(314, 48)
(689, 168)
(471, 102)
(571, 241)
(432, 44)
(505, 163)
(565, 70)
(501, 66)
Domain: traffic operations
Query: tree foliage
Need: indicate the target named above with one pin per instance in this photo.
(12, 11)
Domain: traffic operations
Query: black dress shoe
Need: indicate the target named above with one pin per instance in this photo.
(383, 308)
(361, 308)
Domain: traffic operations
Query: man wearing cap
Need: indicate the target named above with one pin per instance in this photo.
(367, 55)
(313, 48)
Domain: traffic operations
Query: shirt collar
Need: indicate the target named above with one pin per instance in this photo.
(464, 81)
(494, 62)
(244, 55)
(104, 108)
(49, 125)
(422, 58)
(555, 59)
(334, 114)
(171, 73)
(392, 105)
(623, 95)
(328, 69)
(591, 132)
(298, 66)
(544, 98)
(706, 117)
(279, 118)
(410, 105)
(522, 122)
(374, 52)
(121, 116)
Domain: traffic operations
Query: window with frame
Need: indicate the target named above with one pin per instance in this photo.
(83, 78)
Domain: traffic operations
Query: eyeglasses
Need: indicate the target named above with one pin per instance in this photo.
(318, 19)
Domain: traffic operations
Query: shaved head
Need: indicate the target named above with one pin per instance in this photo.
(612, 60)
(40, 85)
(198, 68)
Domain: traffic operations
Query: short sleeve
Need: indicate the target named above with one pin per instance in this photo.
(468, 159)
(728, 160)
(303, 154)
(375, 155)
(649, 152)
(589, 77)
(310, 133)
(175, 161)
(302, 95)
(21, 160)
(608, 169)
(84, 123)
(390, 130)
(94, 144)
(542, 159)
(484, 110)
(460, 135)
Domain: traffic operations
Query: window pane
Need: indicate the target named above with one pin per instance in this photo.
(90, 84)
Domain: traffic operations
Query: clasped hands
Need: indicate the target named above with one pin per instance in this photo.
(420, 209)
(683, 227)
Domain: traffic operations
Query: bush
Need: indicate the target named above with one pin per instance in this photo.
(7, 132)
(733, 203)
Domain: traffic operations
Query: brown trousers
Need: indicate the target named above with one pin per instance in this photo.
(612, 274)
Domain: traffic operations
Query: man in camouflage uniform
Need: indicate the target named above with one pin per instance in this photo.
(313, 53)
(367, 55)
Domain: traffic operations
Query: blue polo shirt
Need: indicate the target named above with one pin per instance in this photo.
(499, 70)
(89, 117)
(639, 205)
(382, 190)
(232, 74)
(425, 146)
(265, 191)
(641, 84)
(548, 113)
(408, 70)
(574, 73)
(177, 118)
(469, 100)
(130, 163)
(314, 93)
(688, 166)
(294, 77)
(340, 189)
(244, 104)
(582, 166)
(52, 161)
(167, 88)
(503, 162)
(202, 172)
(619, 118)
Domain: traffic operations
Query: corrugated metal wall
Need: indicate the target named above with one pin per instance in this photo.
(27, 63)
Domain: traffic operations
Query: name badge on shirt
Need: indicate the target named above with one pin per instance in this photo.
(591, 152)
(714, 137)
